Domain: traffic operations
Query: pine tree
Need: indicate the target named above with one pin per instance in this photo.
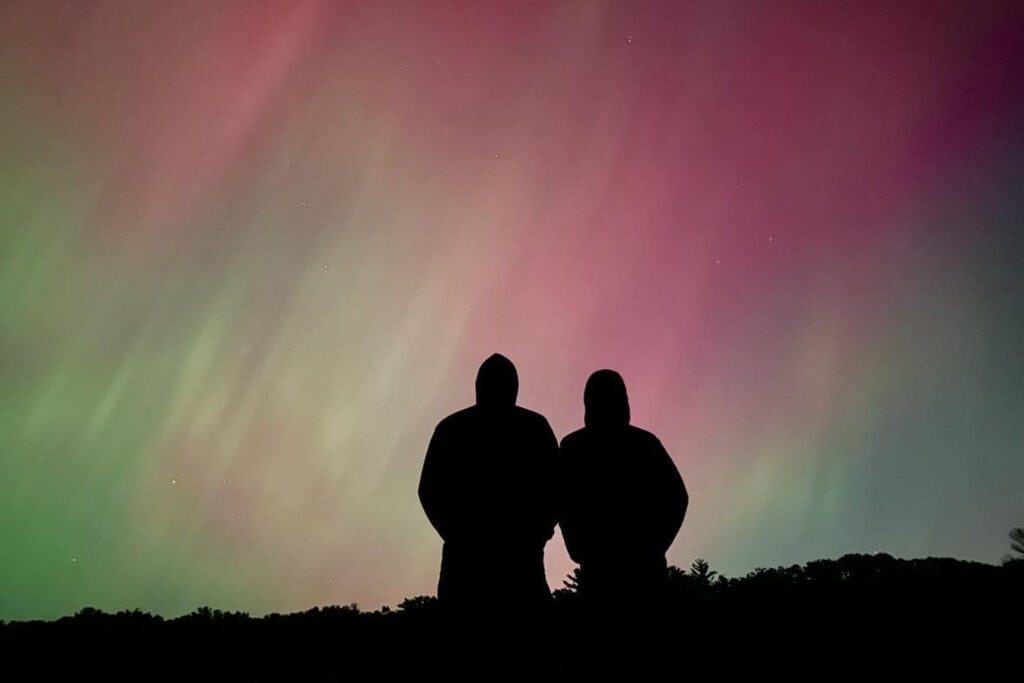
(701, 571)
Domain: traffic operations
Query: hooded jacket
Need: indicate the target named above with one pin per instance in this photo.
(487, 487)
(622, 498)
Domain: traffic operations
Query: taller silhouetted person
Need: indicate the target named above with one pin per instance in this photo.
(622, 502)
(487, 486)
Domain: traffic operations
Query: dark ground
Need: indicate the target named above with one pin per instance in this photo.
(859, 615)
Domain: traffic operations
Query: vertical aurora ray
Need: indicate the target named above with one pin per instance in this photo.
(250, 253)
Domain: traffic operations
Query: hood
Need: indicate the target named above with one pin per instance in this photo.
(605, 401)
(497, 383)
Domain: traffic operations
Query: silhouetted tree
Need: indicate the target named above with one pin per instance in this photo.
(682, 587)
(88, 613)
(420, 602)
(701, 570)
(1016, 546)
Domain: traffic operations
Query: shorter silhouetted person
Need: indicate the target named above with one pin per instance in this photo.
(487, 487)
(622, 502)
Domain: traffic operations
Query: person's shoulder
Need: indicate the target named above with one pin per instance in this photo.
(650, 446)
(644, 437)
(573, 439)
(459, 417)
(530, 416)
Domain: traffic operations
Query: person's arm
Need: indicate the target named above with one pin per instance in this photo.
(568, 503)
(673, 499)
(549, 492)
(432, 488)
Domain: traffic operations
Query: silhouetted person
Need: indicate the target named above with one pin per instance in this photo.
(487, 486)
(622, 502)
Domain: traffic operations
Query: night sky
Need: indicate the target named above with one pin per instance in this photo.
(252, 252)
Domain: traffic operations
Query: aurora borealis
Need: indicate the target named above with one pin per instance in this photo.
(252, 252)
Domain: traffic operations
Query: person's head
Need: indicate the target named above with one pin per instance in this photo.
(605, 402)
(497, 382)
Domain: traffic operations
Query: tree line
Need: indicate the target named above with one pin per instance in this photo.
(875, 606)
